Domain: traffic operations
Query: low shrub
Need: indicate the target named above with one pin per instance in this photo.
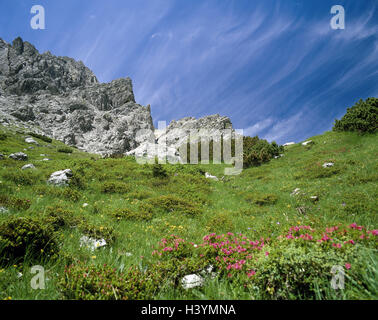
(362, 117)
(158, 171)
(67, 193)
(115, 187)
(78, 181)
(3, 136)
(14, 202)
(292, 271)
(159, 182)
(172, 203)
(140, 195)
(103, 282)
(220, 222)
(41, 137)
(257, 151)
(25, 236)
(22, 177)
(261, 199)
(176, 258)
(129, 214)
(59, 217)
(65, 150)
(71, 194)
(98, 232)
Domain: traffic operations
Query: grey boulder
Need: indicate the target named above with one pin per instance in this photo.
(60, 178)
(28, 166)
(20, 156)
(30, 140)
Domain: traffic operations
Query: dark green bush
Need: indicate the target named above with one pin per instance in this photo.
(172, 270)
(115, 187)
(362, 117)
(59, 217)
(14, 202)
(293, 271)
(3, 136)
(257, 151)
(220, 222)
(21, 236)
(98, 232)
(172, 203)
(129, 214)
(158, 171)
(70, 194)
(65, 150)
(41, 137)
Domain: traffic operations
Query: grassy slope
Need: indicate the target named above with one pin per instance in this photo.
(347, 193)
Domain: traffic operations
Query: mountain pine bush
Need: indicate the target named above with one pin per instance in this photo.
(362, 117)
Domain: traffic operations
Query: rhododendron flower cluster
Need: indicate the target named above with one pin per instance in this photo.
(237, 253)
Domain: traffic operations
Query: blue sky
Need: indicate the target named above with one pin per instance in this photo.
(276, 68)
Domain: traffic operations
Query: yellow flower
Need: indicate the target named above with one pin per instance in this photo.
(93, 257)
(289, 206)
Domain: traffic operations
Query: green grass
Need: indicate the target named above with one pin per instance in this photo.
(256, 203)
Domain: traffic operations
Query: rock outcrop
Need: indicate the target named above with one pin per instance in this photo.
(60, 178)
(20, 156)
(62, 98)
(167, 141)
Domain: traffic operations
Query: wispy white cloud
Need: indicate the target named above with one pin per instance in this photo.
(257, 127)
(282, 128)
(275, 67)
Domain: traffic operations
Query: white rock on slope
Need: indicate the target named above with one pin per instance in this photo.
(91, 243)
(307, 143)
(328, 164)
(60, 178)
(20, 156)
(28, 166)
(166, 142)
(209, 176)
(30, 140)
(192, 281)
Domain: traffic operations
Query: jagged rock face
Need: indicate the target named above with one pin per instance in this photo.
(61, 98)
(168, 141)
(209, 127)
(24, 71)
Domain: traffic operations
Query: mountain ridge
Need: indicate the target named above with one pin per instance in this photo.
(63, 99)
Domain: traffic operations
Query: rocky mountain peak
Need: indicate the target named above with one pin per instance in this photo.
(25, 71)
(62, 98)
